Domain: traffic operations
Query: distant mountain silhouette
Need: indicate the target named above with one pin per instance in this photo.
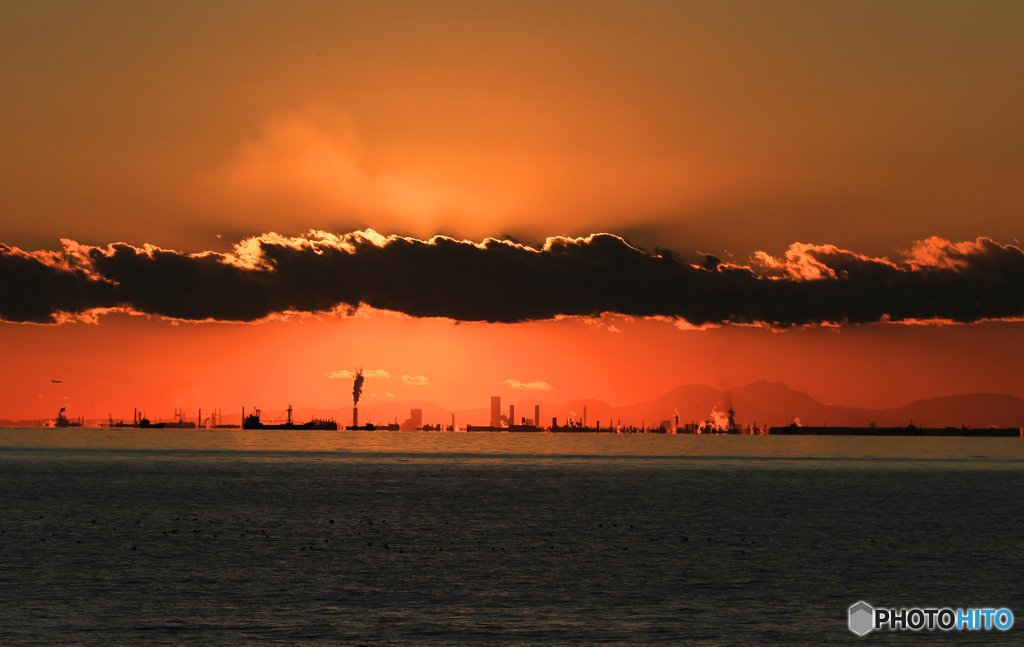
(20, 423)
(973, 410)
(775, 404)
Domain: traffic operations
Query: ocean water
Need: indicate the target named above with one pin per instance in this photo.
(166, 537)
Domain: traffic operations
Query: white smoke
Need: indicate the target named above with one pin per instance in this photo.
(719, 419)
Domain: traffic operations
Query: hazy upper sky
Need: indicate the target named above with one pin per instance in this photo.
(713, 126)
(723, 127)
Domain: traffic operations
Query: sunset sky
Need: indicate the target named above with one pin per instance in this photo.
(812, 168)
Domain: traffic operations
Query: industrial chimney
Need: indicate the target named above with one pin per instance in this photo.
(357, 391)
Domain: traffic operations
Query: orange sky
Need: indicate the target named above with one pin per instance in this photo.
(727, 128)
(138, 361)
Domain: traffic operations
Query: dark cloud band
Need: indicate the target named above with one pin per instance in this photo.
(500, 281)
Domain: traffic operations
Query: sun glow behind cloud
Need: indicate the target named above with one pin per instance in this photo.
(311, 161)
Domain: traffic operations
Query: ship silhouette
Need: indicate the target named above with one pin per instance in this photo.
(252, 421)
(62, 420)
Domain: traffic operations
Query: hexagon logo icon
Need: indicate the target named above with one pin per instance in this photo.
(862, 618)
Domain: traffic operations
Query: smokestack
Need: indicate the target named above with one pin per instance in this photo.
(357, 392)
(584, 415)
(536, 414)
(511, 415)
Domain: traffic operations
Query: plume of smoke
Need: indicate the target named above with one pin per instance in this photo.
(357, 387)
(719, 420)
(732, 417)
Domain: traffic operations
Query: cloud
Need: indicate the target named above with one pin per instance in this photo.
(502, 281)
(419, 380)
(389, 394)
(528, 386)
(368, 374)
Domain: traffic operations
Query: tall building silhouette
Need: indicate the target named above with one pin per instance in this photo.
(415, 420)
(495, 410)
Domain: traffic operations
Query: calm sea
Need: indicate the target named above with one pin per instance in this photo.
(129, 537)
